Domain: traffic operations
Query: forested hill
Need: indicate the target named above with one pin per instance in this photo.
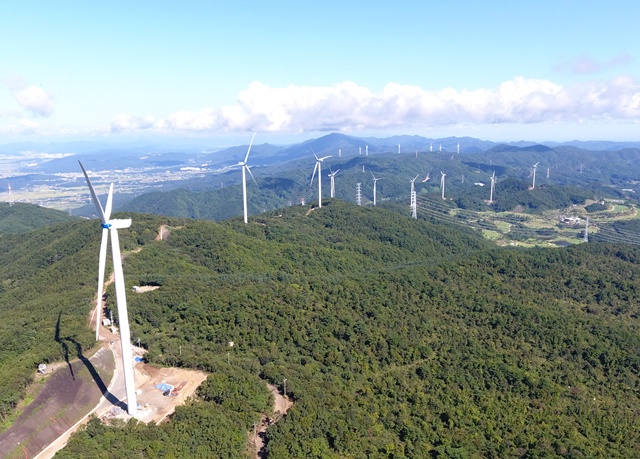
(397, 338)
(21, 218)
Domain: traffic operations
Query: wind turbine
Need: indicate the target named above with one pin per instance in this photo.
(375, 181)
(535, 166)
(442, 182)
(245, 169)
(493, 187)
(112, 226)
(428, 177)
(333, 182)
(318, 168)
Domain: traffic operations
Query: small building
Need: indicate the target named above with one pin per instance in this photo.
(42, 368)
(106, 322)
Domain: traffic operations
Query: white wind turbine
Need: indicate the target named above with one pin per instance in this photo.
(318, 168)
(535, 166)
(443, 175)
(112, 226)
(245, 169)
(375, 181)
(332, 175)
(493, 187)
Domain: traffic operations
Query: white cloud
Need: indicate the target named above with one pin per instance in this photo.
(348, 107)
(34, 99)
(123, 122)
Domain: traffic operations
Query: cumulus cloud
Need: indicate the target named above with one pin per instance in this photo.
(586, 65)
(123, 122)
(33, 99)
(347, 106)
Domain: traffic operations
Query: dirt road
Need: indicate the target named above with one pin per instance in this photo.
(280, 407)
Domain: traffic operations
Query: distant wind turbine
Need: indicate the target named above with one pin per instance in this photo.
(443, 175)
(245, 169)
(112, 226)
(332, 176)
(493, 187)
(535, 166)
(375, 182)
(318, 168)
(428, 177)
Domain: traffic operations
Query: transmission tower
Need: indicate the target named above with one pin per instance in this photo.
(586, 231)
(359, 194)
(414, 206)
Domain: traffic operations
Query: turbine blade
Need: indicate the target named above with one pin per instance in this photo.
(249, 150)
(94, 196)
(102, 260)
(323, 158)
(252, 177)
(107, 209)
(314, 173)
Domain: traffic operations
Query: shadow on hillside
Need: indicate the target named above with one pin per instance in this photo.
(87, 363)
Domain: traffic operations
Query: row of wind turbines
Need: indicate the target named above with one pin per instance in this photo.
(318, 169)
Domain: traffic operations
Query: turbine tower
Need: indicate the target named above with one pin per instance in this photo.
(112, 226)
(443, 175)
(359, 194)
(493, 187)
(398, 148)
(10, 196)
(375, 181)
(245, 169)
(333, 182)
(535, 166)
(430, 147)
(458, 147)
(318, 168)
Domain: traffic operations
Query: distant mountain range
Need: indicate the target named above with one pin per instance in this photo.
(101, 155)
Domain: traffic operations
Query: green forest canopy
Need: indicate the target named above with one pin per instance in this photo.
(398, 338)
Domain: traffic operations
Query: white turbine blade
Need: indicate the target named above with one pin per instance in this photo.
(246, 158)
(94, 196)
(314, 154)
(107, 209)
(120, 223)
(336, 172)
(251, 174)
(123, 323)
(314, 173)
(102, 261)
(323, 158)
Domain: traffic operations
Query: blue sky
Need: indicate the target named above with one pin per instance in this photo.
(498, 70)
